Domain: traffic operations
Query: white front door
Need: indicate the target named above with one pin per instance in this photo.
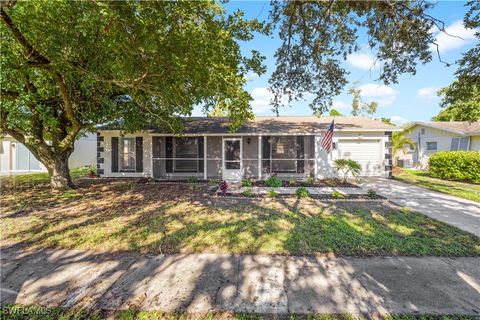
(232, 159)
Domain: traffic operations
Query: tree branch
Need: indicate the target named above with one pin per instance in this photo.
(31, 51)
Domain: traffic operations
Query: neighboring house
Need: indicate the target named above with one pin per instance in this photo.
(433, 136)
(288, 146)
(16, 158)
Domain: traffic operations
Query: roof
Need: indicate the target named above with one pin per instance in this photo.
(281, 124)
(460, 127)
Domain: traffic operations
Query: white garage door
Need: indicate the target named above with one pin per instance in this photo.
(365, 152)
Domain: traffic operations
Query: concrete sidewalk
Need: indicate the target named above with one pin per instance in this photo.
(461, 213)
(259, 284)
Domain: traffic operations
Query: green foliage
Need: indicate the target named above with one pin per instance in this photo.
(359, 106)
(311, 180)
(337, 195)
(372, 193)
(302, 192)
(192, 179)
(400, 143)
(317, 36)
(247, 183)
(334, 113)
(67, 66)
(455, 165)
(273, 182)
(291, 182)
(247, 192)
(213, 182)
(460, 102)
(347, 166)
(272, 193)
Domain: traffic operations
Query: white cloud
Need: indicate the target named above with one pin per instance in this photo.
(362, 60)
(340, 105)
(382, 94)
(428, 94)
(261, 100)
(457, 37)
(198, 111)
(398, 120)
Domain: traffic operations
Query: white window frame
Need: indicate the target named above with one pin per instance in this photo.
(459, 143)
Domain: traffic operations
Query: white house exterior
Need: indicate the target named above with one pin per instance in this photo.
(434, 136)
(15, 158)
(288, 146)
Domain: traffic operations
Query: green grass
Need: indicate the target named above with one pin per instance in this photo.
(35, 179)
(20, 312)
(153, 218)
(420, 178)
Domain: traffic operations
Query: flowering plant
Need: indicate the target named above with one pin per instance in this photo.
(223, 187)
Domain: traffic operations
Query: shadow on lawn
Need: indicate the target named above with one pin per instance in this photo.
(175, 219)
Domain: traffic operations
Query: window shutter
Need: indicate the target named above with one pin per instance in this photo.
(114, 154)
(169, 154)
(266, 164)
(300, 154)
(200, 154)
(139, 154)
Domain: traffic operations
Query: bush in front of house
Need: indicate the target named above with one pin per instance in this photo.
(247, 192)
(347, 166)
(272, 193)
(273, 182)
(455, 165)
(302, 192)
(247, 183)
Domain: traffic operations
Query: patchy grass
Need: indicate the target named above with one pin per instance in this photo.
(420, 178)
(123, 215)
(17, 312)
(23, 181)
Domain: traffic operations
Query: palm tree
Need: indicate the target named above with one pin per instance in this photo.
(400, 143)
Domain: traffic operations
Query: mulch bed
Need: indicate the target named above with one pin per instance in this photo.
(317, 183)
(326, 197)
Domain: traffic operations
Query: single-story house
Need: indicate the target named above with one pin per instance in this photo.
(433, 136)
(206, 149)
(15, 158)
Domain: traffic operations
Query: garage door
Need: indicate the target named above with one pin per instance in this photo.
(365, 152)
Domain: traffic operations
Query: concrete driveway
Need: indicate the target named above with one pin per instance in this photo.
(461, 213)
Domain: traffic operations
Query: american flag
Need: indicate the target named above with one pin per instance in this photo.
(327, 138)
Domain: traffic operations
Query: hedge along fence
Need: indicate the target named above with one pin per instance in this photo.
(456, 165)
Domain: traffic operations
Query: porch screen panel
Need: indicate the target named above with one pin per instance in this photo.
(266, 161)
(169, 154)
(200, 155)
(186, 148)
(284, 153)
(114, 157)
(300, 154)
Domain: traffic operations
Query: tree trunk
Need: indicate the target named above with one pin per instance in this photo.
(60, 173)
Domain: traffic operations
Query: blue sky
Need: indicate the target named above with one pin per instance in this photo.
(412, 98)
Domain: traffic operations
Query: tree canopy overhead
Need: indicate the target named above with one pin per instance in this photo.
(317, 36)
(70, 65)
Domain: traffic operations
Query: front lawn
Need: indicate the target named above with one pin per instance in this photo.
(420, 178)
(117, 215)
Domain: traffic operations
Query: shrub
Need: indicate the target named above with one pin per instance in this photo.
(311, 180)
(192, 179)
(223, 187)
(302, 192)
(347, 166)
(372, 193)
(247, 192)
(272, 193)
(291, 182)
(455, 165)
(273, 182)
(247, 183)
(337, 195)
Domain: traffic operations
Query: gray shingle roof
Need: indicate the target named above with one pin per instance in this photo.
(282, 124)
(464, 127)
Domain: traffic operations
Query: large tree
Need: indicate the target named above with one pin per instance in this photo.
(461, 99)
(67, 66)
(317, 36)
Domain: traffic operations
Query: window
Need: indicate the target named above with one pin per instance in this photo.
(422, 131)
(460, 143)
(127, 154)
(186, 148)
(432, 146)
(284, 154)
